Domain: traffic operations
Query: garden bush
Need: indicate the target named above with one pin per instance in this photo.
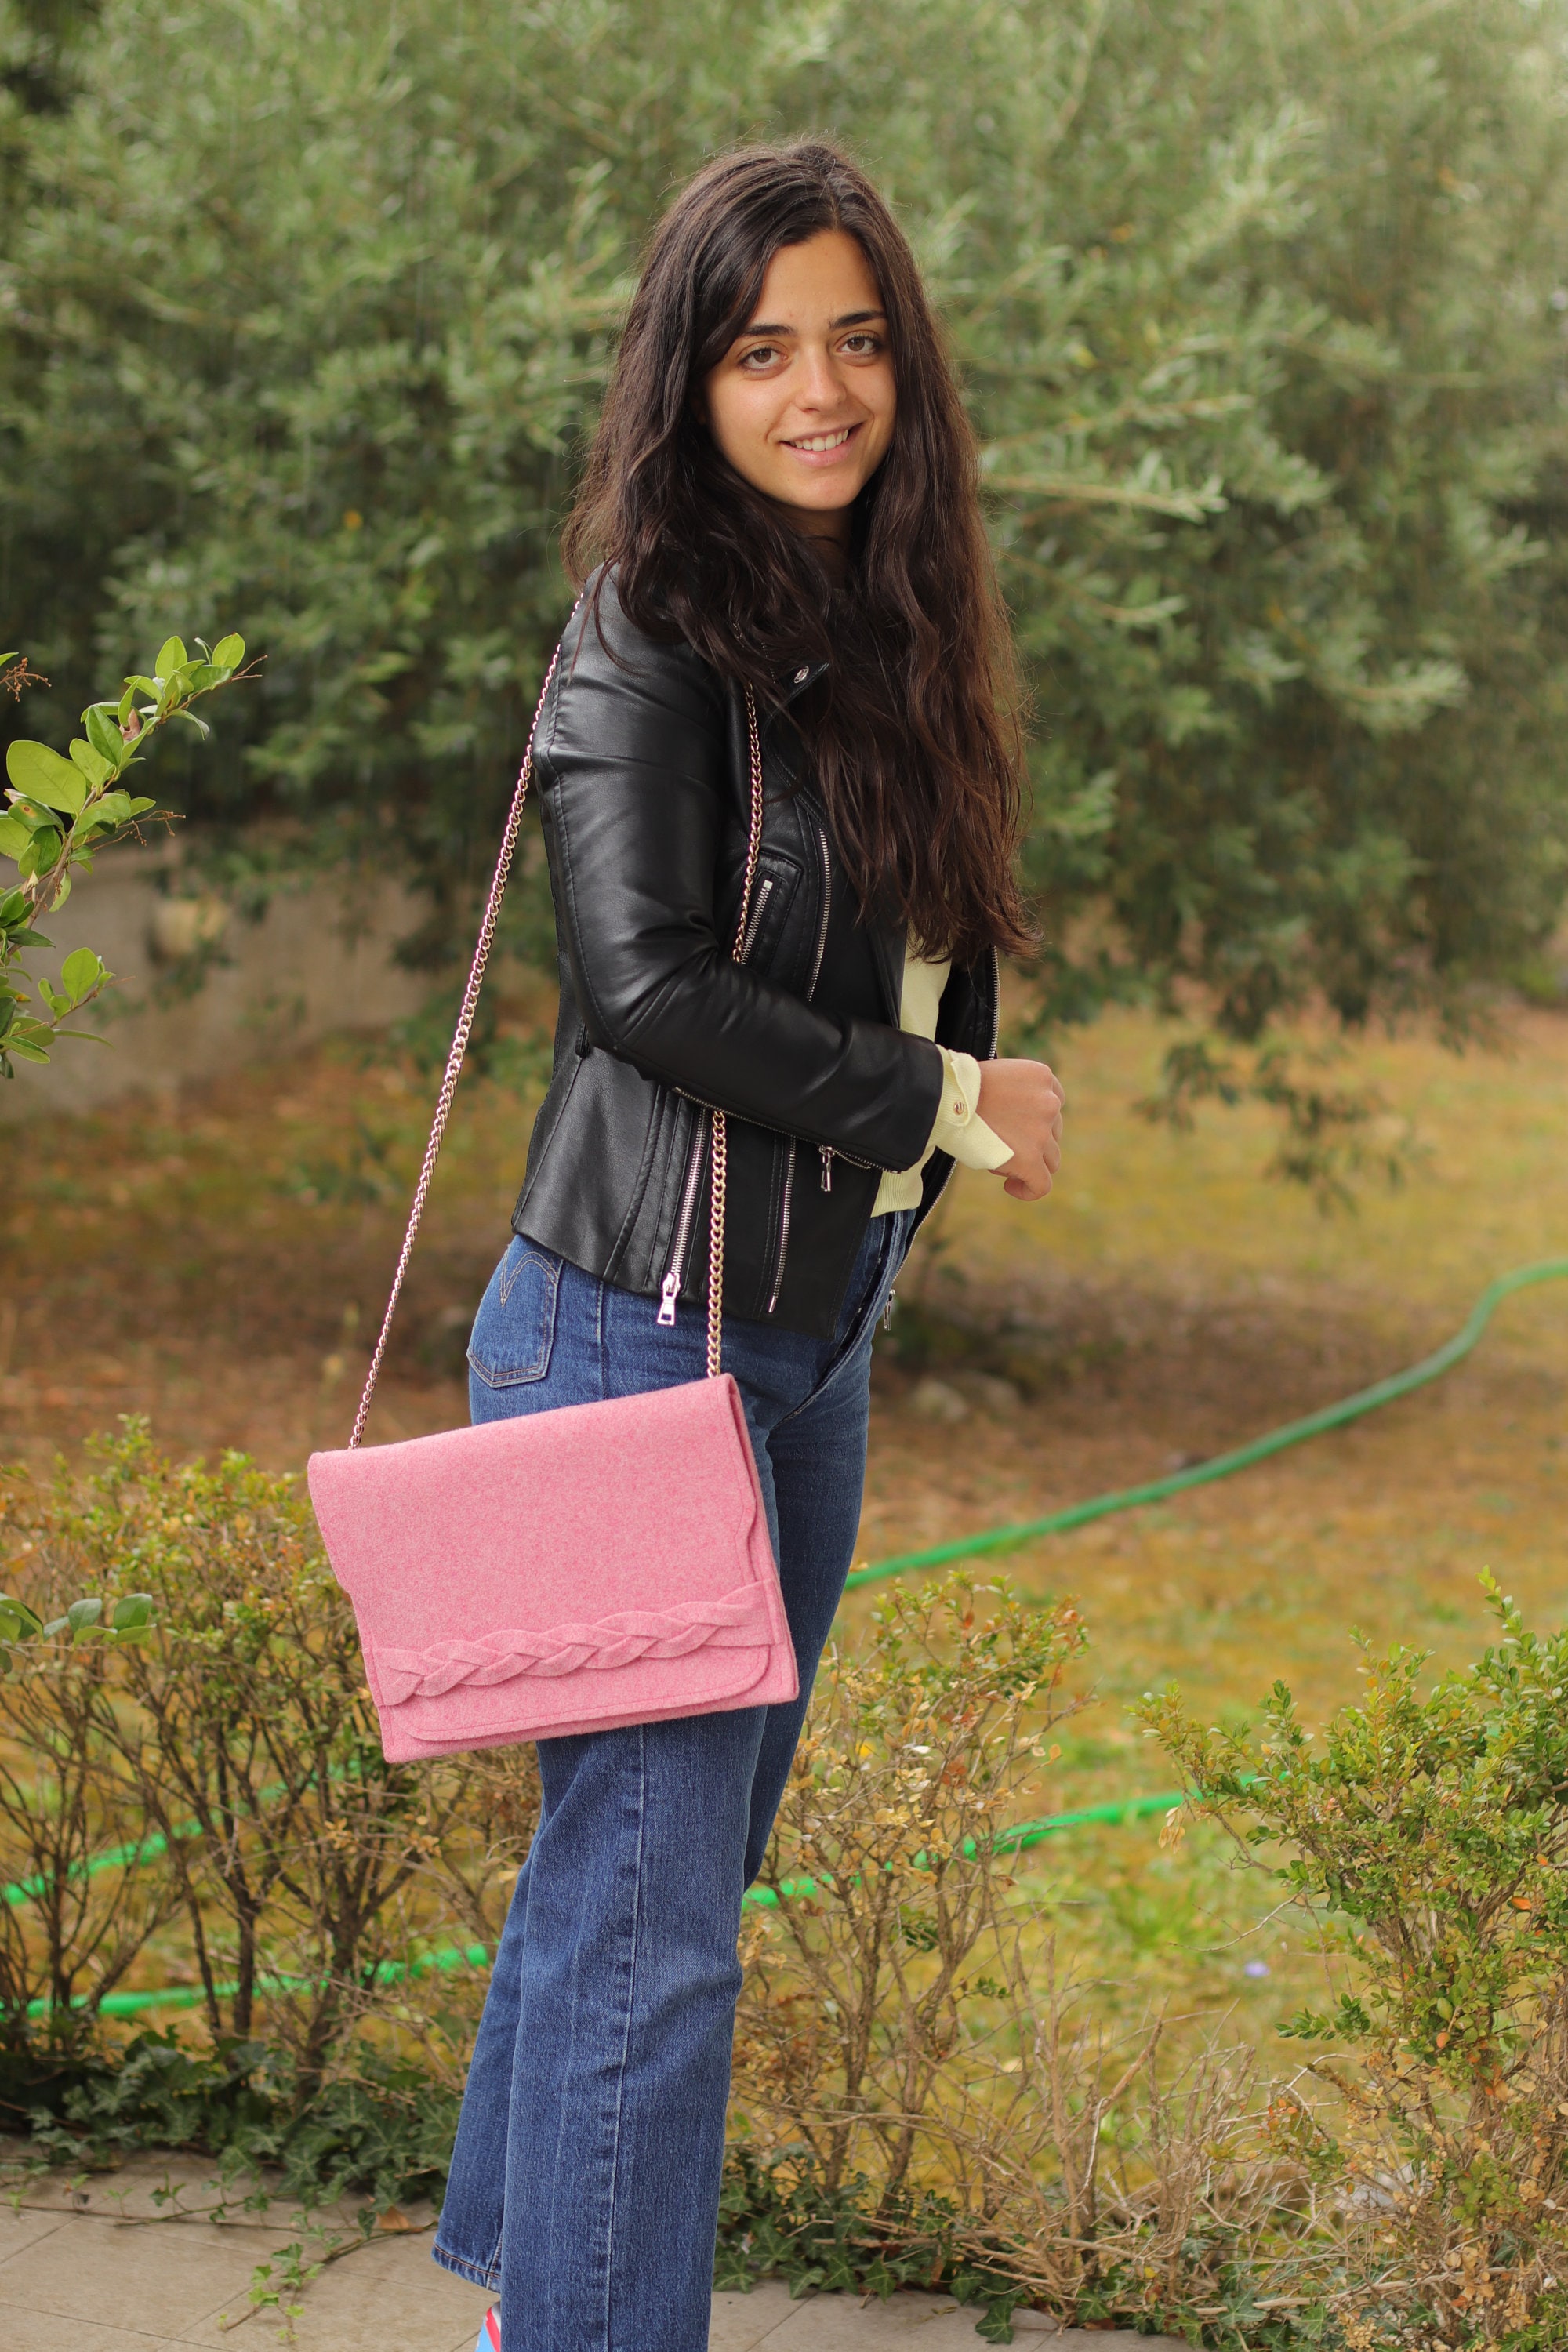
(928, 2089)
(1259, 311)
(1426, 1838)
(231, 1760)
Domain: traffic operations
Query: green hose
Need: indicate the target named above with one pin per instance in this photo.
(1224, 1465)
(132, 2004)
(477, 1955)
(1013, 1841)
(1078, 1515)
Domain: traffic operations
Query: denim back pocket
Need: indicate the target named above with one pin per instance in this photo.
(515, 1327)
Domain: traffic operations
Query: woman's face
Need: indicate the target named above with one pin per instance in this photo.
(801, 403)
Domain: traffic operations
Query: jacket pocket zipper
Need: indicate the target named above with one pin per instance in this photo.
(829, 1154)
(755, 925)
(675, 1272)
(669, 1288)
(781, 1248)
(822, 919)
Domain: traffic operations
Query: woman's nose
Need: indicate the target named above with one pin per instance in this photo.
(820, 385)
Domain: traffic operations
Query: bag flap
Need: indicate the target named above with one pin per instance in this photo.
(580, 1530)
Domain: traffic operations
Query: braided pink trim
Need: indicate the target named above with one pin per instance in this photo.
(735, 1620)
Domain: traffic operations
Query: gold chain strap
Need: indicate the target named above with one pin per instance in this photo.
(718, 1179)
(465, 1023)
(460, 1047)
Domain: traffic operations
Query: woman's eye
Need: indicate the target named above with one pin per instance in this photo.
(862, 346)
(762, 356)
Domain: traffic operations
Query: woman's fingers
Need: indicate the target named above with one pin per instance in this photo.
(1022, 1103)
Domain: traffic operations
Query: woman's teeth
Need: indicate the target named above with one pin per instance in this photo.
(819, 441)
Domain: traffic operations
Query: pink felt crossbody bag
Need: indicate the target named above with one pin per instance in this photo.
(568, 1570)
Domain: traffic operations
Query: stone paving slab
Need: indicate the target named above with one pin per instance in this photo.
(106, 2275)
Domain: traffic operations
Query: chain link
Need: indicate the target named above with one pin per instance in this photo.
(460, 1047)
(718, 1180)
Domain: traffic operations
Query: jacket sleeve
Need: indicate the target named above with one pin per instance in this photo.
(635, 790)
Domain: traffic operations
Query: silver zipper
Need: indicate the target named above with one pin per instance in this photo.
(822, 923)
(781, 1253)
(755, 925)
(783, 1250)
(830, 1153)
(669, 1288)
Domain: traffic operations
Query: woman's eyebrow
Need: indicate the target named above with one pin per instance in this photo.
(850, 319)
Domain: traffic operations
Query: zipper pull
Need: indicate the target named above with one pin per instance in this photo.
(667, 1295)
(827, 1151)
(888, 1310)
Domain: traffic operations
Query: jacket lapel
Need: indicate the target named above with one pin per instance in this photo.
(887, 942)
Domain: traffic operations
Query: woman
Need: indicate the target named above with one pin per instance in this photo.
(781, 494)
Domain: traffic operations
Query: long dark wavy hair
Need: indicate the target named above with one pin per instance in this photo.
(913, 734)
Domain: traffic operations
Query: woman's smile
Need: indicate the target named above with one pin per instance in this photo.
(823, 445)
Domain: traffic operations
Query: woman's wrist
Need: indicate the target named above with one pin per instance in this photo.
(960, 1130)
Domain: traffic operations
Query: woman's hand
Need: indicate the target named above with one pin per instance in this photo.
(1021, 1102)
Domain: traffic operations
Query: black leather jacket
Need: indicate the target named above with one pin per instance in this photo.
(644, 791)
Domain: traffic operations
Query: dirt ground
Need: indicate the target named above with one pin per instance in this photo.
(218, 1260)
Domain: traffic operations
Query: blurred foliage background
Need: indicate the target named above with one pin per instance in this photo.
(1261, 306)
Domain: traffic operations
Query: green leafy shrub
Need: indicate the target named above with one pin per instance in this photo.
(1256, 302)
(1426, 1836)
(228, 1769)
(383, 2131)
(62, 811)
(923, 2091)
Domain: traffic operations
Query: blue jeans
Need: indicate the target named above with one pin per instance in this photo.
(585, 2183)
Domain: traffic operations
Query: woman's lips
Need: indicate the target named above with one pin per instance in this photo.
(839, 441)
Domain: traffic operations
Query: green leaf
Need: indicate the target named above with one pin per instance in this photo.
(114, 808)
(23, 1047)
(14, 837)
(81, 972)
(139, 807)
(172, 656)
(103, 733)
(92, 763)
(56, 1625)
(82, 1614)
(45, 777)
(18, 1622)
(228, 652)
(131, 1612)
(42, 852)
